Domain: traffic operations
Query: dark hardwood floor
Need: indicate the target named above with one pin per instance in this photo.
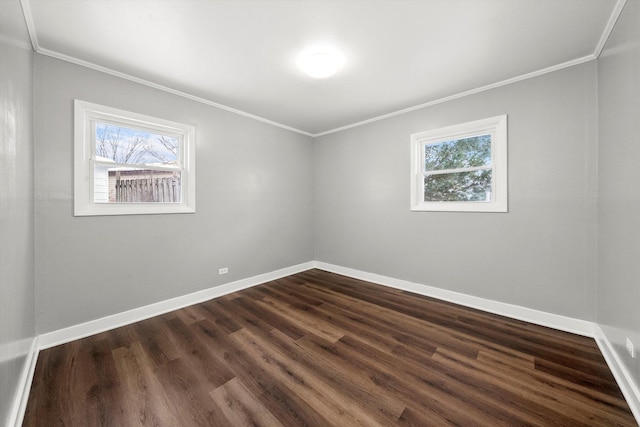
(320, 349)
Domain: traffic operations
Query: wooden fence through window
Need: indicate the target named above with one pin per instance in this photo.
(148, 190)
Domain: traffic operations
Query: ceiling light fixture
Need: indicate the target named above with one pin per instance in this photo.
(321, 62)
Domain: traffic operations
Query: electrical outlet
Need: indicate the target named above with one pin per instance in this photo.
(223, 270)
(630, 349)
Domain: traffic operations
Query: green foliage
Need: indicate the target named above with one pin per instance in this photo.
(461, 187)
(458, 154)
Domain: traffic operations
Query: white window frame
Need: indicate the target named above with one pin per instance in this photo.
(85, 115)
(497, 128)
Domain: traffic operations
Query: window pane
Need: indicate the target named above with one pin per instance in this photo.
(458, 153)
(124, 145)
(135, 185)
(458, 187)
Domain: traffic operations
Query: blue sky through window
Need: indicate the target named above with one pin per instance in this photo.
(134, 146)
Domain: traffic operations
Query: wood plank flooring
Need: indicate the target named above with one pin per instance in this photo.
(320, 349)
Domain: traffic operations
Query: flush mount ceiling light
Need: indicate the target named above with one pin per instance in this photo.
(321, 61)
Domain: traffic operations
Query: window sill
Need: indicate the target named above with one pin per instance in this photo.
(137, 209)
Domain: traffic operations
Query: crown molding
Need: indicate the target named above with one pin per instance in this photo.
(26, 9)
(533, 74)
(163, 88)
(31, 27)
(613, 18)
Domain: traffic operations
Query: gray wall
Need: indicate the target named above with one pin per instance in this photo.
(541, 254)
(17, 327)
(254, 205)
(268, 198)
(619, 201)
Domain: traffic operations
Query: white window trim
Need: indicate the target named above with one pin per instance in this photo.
(497, 127)
(84, 148)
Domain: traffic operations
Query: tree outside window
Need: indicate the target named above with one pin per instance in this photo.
(461, 167)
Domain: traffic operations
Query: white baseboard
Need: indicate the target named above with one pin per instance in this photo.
(21, 398)
(563, 323)
(624, 379)
(93, 327)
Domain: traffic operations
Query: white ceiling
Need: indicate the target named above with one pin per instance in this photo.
(241, 54)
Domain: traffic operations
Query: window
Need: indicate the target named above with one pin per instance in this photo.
(461, 167)
(128, 163)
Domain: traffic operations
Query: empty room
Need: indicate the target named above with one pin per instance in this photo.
(319, 213)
